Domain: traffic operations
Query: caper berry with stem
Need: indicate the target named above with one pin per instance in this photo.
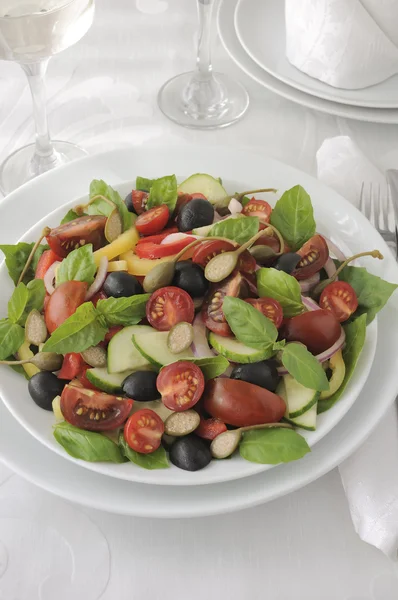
(45, 361)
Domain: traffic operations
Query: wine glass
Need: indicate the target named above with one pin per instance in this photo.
(202, 99)
(31, 31)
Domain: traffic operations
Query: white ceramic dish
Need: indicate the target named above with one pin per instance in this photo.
(260, 26)
(333, 214)
(229, 38)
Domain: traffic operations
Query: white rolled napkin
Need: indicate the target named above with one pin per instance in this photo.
(348, 44)
(370, 475)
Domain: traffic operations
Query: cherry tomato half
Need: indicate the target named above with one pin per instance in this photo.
(152, 221)
(212, 312)
(73, 364)
(47, 259)
(314, 255)
(258, 208)
(270, 309)
(168, 306)
(139, 200)
(63, 303)
(210, 428)
(240, 403)
(340, 298)
(95, 411)
(143, 431)
(316, 329)
(150, 250)
(181, 385)
(80, 231)
(207, 250)
(156, 239)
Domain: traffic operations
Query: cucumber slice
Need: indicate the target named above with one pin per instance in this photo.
(107, 382)
(307, 420)
(153, 347)
(211, 188)
(235, 351)
(122, 354)
(298, 398)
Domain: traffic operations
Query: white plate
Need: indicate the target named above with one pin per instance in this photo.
(332, 213)
(260, 25)
(226, 28)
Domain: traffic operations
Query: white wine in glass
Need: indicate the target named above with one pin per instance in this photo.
(31, 31)
(202, 99)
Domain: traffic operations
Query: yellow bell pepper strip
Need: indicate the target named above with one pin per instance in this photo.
(117, 265)
(24, 353)
(142, 266)
(126, 241)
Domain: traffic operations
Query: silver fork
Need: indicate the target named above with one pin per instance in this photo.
(378, 209)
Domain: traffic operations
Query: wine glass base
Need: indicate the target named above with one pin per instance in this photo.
(203, 104)
(19, 167)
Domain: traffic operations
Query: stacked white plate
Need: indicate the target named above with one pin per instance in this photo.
(253, 33)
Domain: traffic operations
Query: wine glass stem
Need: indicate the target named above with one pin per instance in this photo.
(203, 60)
(44, 157)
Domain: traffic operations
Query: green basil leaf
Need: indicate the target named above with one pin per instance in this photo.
(293, 216)
(123, 311)
(144, 184)
(87, 445)
(249, 325)
(304, 367)
(163, 191)
(273, 446)
(70, 216)
(17, 368)
(80, 331)
(239, 229)
(12, 336)
(154, 460)
(16, 256)
(355, 335)
(372, 291)
(272, 283)
(99, 207)
(79, 265)
(212, 367)
(245, 200)
(37, 293)
(17, 303)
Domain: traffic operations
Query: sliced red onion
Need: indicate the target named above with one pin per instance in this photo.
(330, 267)
(176, 237)
(324, 356)
(99, 278)
(235, 206)
(49, 278)
(252, 285)
(309, 303)
(335, 250)
(200, 346)
(227, 372)
(307, 284)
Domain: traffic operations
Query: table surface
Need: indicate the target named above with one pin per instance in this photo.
(102, 95)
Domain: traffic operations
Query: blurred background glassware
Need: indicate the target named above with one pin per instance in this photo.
(202, 99)
(31, 31)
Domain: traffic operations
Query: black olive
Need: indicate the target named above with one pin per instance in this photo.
(190, 277)
(129, 203)
(141, 386)
(121, 284)
(264, 374)
(190, 453)
(287, 262)
(197, 213)
(44, 387)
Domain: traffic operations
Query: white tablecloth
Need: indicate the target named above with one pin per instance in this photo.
(102, 94)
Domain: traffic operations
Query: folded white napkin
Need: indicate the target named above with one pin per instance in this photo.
(348, 44)
(370, 475)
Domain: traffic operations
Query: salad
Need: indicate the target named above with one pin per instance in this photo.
(183, 324)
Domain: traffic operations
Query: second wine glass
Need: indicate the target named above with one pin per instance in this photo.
(203, 99)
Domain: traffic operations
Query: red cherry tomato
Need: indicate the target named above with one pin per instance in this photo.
(258, 208)
(47, 259)
(314, 255)
(317, 329)
(181, 385)
(63, 303)
(210, 428)
(139, 200)
(270, 308)
(340, 298)
(112, 331)
(156, 239)
(240, 403)
(143, 431)
(168, 306)
(72, 366)
(149, 250)
(83, 230)
(95, 411)
(82, 378)
(212, 312)
(152, 221)
(209, 249)
(98, 296)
